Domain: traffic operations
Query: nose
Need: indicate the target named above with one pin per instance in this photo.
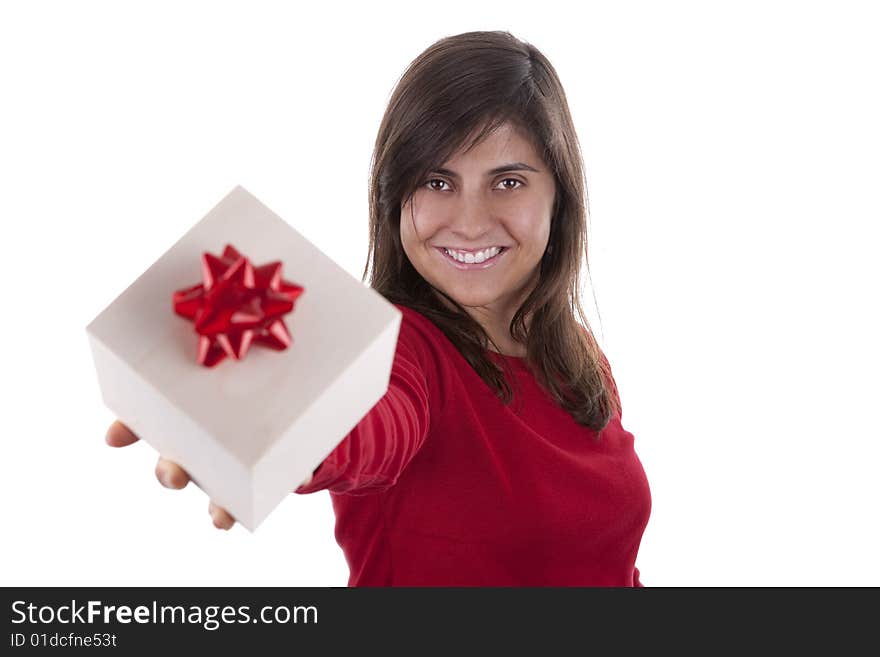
(471, 218)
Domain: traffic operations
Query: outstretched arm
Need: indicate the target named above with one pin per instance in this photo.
(374, 454)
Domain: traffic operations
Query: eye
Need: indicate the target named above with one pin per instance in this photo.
(433, 180)
(512, 180)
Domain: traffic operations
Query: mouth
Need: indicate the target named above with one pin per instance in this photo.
(464, 266)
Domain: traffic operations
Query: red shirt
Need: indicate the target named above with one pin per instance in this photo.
(441, 484)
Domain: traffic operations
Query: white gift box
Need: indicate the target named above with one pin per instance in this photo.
(248, 431)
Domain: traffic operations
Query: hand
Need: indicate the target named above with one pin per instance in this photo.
(170, 474)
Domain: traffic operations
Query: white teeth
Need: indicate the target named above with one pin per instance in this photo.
(478, 257)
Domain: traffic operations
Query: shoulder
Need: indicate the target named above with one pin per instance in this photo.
(421, 344)
(421, 336)
(416, 326)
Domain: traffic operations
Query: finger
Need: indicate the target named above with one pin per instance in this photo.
(170, 474)
(221, 517)
(119, 435)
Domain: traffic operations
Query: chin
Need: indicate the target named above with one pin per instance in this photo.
(471, 299)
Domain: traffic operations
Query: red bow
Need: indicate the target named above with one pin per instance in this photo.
(237, 304)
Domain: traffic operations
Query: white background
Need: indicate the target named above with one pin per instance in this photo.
(732, 158)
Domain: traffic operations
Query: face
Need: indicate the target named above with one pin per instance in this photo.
(466, 207)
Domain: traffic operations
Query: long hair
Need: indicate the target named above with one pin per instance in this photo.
(451, 96)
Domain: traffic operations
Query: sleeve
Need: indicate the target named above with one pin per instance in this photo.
(375, 453)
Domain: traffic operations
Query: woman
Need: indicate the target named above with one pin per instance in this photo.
(477, 232)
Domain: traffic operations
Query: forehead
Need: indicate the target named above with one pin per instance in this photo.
(507, 142)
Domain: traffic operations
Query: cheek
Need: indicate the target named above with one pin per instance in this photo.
(408, 227)
(418, 227)
(531, 231)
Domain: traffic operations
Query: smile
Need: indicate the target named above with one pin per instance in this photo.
(471, 266)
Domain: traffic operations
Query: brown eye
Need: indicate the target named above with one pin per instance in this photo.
(512, 180)
(433, 180)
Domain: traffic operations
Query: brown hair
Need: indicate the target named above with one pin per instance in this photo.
(457, 91)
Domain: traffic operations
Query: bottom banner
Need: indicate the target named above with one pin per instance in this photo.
(420, 619)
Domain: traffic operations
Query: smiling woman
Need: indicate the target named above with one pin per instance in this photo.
(477, 234)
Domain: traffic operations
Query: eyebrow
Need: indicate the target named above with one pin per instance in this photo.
(504, 168)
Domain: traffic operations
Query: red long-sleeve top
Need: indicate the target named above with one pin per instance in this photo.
(441, 484)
